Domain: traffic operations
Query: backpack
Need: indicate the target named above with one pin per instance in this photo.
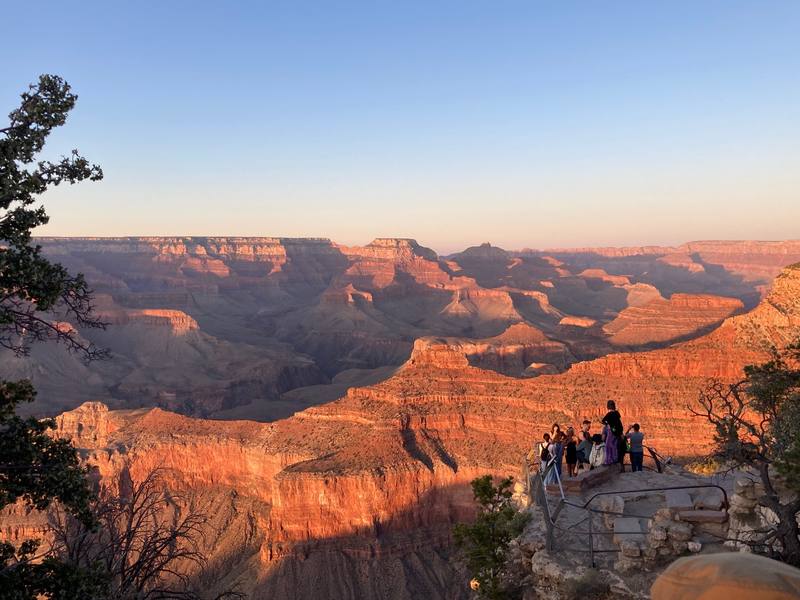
(545, 456)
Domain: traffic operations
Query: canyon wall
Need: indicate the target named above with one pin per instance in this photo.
(355, 498)
(255, 327)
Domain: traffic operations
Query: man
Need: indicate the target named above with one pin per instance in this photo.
(584, 449)
(635, 438)
(585, 426)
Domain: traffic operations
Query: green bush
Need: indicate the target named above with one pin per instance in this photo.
(484, 543)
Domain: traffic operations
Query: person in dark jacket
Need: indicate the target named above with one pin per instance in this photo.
(584, 449)
(615, 433)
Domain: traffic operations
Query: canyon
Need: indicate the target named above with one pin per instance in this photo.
(331, 404)
(258, 328)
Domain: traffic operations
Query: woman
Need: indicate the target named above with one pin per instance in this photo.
(548, 453)
(571, 453)
(611, 446)
(615, 442)
(544, 450)
(558, 452)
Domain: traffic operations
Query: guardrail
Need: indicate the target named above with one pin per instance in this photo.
(539, 496)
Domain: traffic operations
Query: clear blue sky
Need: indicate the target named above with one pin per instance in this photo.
(521, 123)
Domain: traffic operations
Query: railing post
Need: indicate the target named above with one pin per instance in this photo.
(591, 541)
(541, 499)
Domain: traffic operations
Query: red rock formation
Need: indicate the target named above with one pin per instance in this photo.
(345, 295)
(280, 308)
(521, 350)
(377, 477)
(178, 322)
(577, 321)
(682, 316)
(752, 263)
(751, 259)
(603, 276)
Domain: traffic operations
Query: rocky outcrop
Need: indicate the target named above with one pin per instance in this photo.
(680, 317)
(176, 321)
(373, 480)
(305, 310)
(603, 276)
(742, 269)
(521, 350)
(571, 321)
(738, 341)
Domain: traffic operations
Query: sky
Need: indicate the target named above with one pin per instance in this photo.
(525, 124)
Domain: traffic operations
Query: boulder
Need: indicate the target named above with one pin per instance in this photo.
(709, 500)
(703, 516)
(681, 532)
(630, 548)
(745, 486)
(627, 529)
(678, 500)
(658, 534)
(611, 504)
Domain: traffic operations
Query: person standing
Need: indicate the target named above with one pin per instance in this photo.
(558, 452)
(615, 442)
(584, 449)
(545, 456)
(635, 438)
(544, 450)
(571, 453)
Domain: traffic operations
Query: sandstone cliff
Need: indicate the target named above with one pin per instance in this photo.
(359, 488)
(254, 321)
(660, 320)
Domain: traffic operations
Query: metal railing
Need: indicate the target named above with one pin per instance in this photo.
(537, 492)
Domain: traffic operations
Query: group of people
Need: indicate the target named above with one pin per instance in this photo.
(587, 450)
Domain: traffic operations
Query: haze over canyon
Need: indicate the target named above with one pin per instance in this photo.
(332, 403)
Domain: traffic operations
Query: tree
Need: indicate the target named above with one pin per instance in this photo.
(148, 542)
(757, 427)
(31, 287)
(36, 297)
(484, 543)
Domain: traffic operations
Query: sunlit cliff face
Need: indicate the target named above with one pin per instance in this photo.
(262, 327)
(367, 485)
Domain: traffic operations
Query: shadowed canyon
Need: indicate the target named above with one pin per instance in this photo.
(332, 403)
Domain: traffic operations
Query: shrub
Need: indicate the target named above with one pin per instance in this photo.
(484, 543)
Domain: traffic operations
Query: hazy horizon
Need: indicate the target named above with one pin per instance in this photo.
(522, 124)
(441, 252)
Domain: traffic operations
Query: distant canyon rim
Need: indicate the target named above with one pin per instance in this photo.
(333, 402)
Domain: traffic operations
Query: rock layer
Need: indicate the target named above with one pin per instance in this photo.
(355, 489)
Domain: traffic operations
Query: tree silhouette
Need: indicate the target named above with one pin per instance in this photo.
(39, 300)
(757, 427)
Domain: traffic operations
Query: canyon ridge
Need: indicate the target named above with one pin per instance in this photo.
(331, 404)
